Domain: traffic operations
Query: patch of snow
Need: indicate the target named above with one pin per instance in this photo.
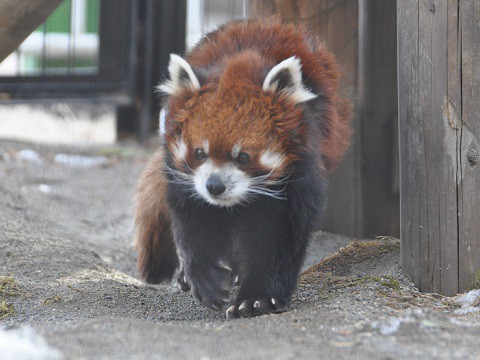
(6, 157)
(25, 344)
(80, 161)
(59, 123)
(30, 156)
(46, 189)
(467, 310)
(468, 299)
(469, 302)
(390, 327)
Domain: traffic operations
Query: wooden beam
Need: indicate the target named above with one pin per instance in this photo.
(377, 108)
(468, 140)
(439, 127)
(19, 18)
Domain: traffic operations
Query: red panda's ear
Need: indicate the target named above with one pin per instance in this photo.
(287, 77)
(181, 77)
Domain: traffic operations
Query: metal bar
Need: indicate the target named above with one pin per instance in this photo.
(70, 49)
(18, 59)
(44, 49)
(132, 73)
(97, 21)
(146, 110)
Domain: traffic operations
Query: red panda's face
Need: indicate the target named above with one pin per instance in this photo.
(228, 148)
(231, 143)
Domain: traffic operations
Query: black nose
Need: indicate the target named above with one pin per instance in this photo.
(215, 185)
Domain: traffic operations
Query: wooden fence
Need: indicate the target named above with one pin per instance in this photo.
(439, 120)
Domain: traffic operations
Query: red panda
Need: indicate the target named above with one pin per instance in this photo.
(254, 124)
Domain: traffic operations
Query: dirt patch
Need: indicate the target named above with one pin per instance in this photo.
(66, 241)
(372, 264)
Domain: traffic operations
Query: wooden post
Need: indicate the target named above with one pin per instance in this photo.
(439, 128)
(18, 18)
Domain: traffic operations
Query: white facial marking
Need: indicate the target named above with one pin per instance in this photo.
(271, 159)
(176, 68)
(180, 150)
(236, 150)
(206, 146)
(161, 122)
(295, 89)
(236, 183)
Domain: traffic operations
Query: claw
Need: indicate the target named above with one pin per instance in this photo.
(231, 312)
(222, 264)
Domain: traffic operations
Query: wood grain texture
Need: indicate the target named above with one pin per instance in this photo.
(439, 223)
(407, 25)
(469, 147)
(19, 18)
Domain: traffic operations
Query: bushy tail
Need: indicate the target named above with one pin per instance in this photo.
(157, 255)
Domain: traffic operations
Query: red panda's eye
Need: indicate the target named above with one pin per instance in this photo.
(200, 154)
(243, 158)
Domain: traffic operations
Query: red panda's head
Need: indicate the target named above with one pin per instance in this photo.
(236, 132)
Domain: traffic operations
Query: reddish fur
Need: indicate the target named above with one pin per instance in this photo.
(236, 85)
(157, 258)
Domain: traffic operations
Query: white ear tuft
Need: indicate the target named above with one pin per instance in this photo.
(287, 77)
(181, 77)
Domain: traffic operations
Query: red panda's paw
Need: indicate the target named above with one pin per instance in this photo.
(211, 284)
(256, 307)
(182, 282)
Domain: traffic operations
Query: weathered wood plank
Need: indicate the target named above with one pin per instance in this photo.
(407, 39)
(469, 148)
(452, 104)
(443, 260)
(377, 104)
(439, 92)
(428, 145)
(338, 24)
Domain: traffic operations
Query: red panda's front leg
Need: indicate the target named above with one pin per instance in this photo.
(272, 241)
(202, 236)
(272, 254)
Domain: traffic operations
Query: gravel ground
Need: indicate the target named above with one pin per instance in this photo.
(69, 288)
